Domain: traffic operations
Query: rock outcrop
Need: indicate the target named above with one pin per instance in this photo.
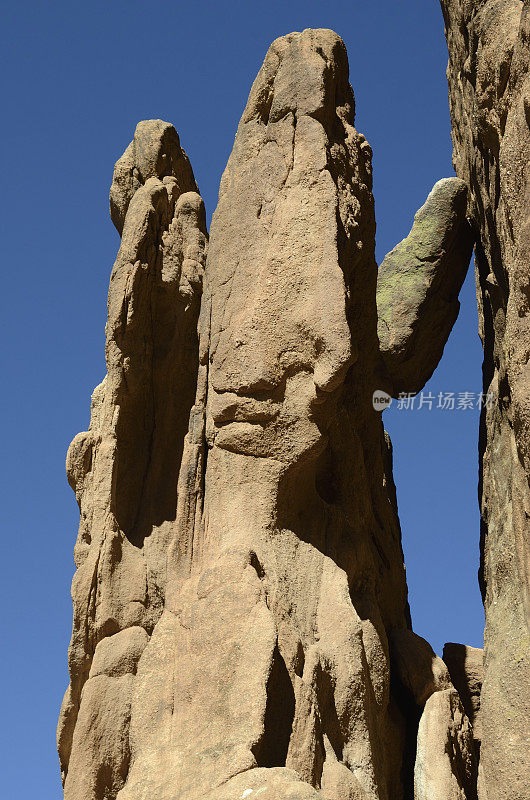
(418, 285)
(241, 624)
(445, 759)
(466, 668)
(446, 767)
(489, 96)
(286, 566)
(124, 469)
(420, 671)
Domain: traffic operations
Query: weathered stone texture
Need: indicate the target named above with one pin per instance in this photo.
(420, 671)
(124, 468)
(445, 766)
(287, 569)
(489, 95)
(467, 674)
(418, 285)
(241, 625)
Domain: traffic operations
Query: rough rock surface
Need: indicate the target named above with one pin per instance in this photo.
(445, 766)
(489, 95)
(445, 758)
(243, 629)
(418, 285)
(420, 671)
(124, 469)
(286, 569)
(466, 668)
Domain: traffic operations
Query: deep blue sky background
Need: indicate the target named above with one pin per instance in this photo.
(76, 78)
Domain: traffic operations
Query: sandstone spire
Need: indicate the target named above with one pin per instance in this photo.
(489, 95)
(124, 468)
(246, 630)
(289, 578)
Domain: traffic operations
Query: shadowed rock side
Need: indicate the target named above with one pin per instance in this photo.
(466, 668)
(124, 468)
(418, 285)
(444, 756)
(489, 95)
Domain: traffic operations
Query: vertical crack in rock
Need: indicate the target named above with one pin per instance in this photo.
(273, 746)
(124, 469)
(489, 97)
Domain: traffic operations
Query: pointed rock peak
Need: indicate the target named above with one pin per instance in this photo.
(154, 152)
(303, 74)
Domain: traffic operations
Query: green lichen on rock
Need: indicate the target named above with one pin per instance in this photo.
(418, 285)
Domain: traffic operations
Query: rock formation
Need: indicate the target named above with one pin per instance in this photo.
(445, 767)
(124, 469)
(466, 669)
(418, 285)
(241, 624)
(489, 95)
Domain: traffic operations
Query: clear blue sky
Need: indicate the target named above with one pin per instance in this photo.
(76, 78)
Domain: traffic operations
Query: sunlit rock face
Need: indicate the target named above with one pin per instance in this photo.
(489, 95)
(286, 569)
(241, 625)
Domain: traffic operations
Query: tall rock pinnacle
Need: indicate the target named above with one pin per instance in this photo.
(241, 624)
(291, 582)
(124, 469)
(489, 96)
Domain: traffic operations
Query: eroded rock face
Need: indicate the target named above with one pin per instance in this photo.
(489, 94)
(287, 569)
(243, 629)
(420, 671)
(466, 668)
(445, 766)
(445, 757)
(124, 469)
